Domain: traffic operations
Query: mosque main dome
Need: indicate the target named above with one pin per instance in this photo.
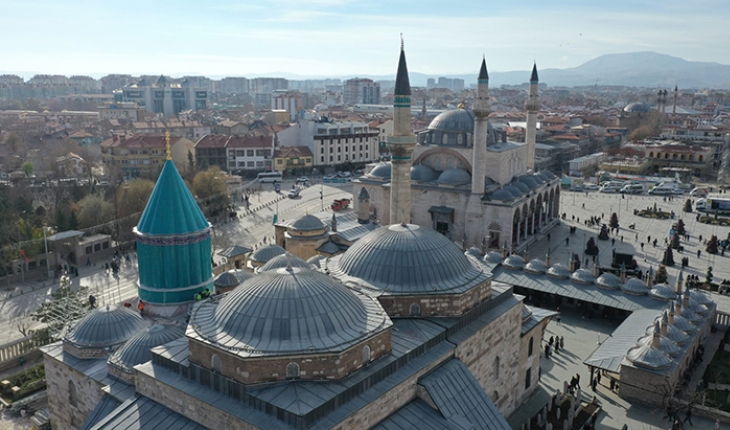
(406, 259)
(105, 327)
(455, 120)
(288, 311)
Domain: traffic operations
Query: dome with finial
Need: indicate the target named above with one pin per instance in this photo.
(307, 223)
(662, 292)
(536, 267)
(608, 281)
(108, 326)
(558, 271)
(514, 262)
(282, 261)
(266, 253)
(231, 278)
(635, 287)
(137, 349)
(382, 171)
(582, 276)
(665, 344)
(493, 257)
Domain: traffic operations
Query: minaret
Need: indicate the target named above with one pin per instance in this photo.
(363, 206)
(532, 105)
(424, 111)
(481, 124)
(401, 145)
(674, 103)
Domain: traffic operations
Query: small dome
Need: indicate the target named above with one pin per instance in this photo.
(307, 223)
(529, 181)
(582, 276)
(475, 252)
(684, 324)
(608, 281)
(408, 259)
(502, 194)
(558, 271)
(455, 120)
(382, 170)
(522, 186)
(231, 278)
(526, 313)
(539, 178)
(137, 349)
(550, 175)
(514, 262)
(266, 253)
(422, 173)
(694, 307)
(315, 261)
(646, 356)
(673, 333)
(514, 191)
(662, 292)
(536, 267)
(105, 327)
(454, 177)
(284, 260)
(665, 344)
(700, 297)
(288, 312)
(493, 257)
(634, 286)
(637, 108)
(689, 315)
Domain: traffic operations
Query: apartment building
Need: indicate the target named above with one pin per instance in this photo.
(289, 100)
(235, 154)
(141, 155)
(164, 97)
(293, 160)
(361, 91)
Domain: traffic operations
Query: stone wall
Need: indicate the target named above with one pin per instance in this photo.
(500, 338)
(271, 369)
(443, 305)
(84, 353)
(302, 245)
(530, 361)
(69, 411)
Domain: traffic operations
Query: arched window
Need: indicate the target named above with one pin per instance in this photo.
(701, 158)
(495, 371)
(445, 139)
(528, 378)
(651, 155)
(529, 348)
(72, 400)
(292, 371)
(415, 310)
(674, 156)
(459, 139)
(681, 157)
(366, 355)
(495, 396)
(691, 157)
(666, 156)
(215, 363)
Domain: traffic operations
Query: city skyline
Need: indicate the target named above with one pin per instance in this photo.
(326, 38)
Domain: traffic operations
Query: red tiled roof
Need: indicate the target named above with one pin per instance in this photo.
(138, 141)
(293, 151)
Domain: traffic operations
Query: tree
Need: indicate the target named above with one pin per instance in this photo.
(591, 247)
(73, 221)
(708, 277)
(210, 185)
(661, 274)
(680, 227)
(641, 133)
(687, 206)
(64, 307)
(614, 220)
(712, 245)
(12, 142)
(61, 221)
(668, 259)
(94, 210)
(675, 241)
(27, 168)
(133, 197)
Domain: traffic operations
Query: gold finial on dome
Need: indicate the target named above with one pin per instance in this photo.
(167, 145)
(461, 104)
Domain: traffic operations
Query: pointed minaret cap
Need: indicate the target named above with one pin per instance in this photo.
(533, 77)
(364, 195)
(483, 75)
(655, 341)
(333, 224)
(665, 323)
(671, 313)
(402, 83)
(680, 281)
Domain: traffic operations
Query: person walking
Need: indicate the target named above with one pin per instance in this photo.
(577, 380)
(557, 317)
(688, 417)
(141, 307)
(550, 342)
(562, 342)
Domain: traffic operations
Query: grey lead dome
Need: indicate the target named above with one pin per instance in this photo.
(405, 259)
(137, 349)
(285, 312)
(105, 327)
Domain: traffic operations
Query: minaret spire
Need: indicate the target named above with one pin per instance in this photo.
(532, 105)
(401, 145)
(481, 131)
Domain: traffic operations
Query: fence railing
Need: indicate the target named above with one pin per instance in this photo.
(16, 348)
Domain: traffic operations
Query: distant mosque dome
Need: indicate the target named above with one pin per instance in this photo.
(455, 120)
(382, 170)
(422, 173)
(105, 327)
(637, 107)
(455, 177)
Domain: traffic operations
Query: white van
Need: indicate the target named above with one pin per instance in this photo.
(633, 189)
(701, 205)
(699, 192)
(665, 188)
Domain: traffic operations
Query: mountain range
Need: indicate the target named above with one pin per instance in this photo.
(634, 69)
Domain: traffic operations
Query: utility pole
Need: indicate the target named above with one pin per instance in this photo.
(45, 242)
(321, 194)
(22, 259)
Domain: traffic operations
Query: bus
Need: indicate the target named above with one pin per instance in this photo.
(713, 206)
(269, 177)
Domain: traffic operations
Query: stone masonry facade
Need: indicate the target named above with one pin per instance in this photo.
(72, 396)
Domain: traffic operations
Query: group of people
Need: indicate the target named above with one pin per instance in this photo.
(202, 295)
(557, 342)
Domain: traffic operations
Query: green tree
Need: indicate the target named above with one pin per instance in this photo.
(64, 307)
(133, 197)
(708, 277)
(27, 169)
(210, 185)
(61, 221)
(12, 141)
(687, 205)
(94, 210)
(73, 221)
(680, 227)
(668, 259)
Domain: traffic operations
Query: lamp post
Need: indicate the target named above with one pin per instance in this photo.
(45, 243)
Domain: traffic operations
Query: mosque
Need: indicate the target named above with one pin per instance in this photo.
(468, 182)
(401, 330)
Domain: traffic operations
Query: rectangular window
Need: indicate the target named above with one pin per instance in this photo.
(250, 164)
(339, 158)
(259, 164)
(322, 159)
(259, 152)
(249, 153)
(97, 247)
(105, 245)
(267, 153)
(331, 159)
(240, 153)
(279, 161)
(88, 250)
(308, 160)
(339, 149)
(321, 150)
(267, 163)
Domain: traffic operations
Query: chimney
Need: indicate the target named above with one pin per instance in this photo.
(526, 255)
(573, 265)
(363, 206)
(655, 341)
(623, 273)
(665, 323)
(548, 260)
(671, 313)
(680, 280)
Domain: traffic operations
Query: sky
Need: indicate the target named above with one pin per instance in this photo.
(319, 38)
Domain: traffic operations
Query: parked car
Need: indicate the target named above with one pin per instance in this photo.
(293, 193)
(303, 180)
(591, 187)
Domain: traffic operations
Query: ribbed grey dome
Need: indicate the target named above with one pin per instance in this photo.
(521, 185)
(502, 194)
(514, 262)
(529, 181)
(582, 276)
(315, 261)
(382, 170)
(422, 173)
(108, 326)
(646, 356)
(286, 312)
(684, 324)
(406, 259)
(665, 344)
(662, 292)
(634, 286)
(455, 177)
(543, 176)
(455, 120)
(673, 333)
(699, 297)
(558, 271)
(307, 223)
(137, 349)
(232, 278)
(536, 267)
(493, 257)
(514, 191)
(475, 252)
(637, 107)
(694, 306)
(266, 253)
(689, 315)
(281, 261)
(608, 281)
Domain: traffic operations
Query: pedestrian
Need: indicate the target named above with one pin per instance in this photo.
(598, 377)
(625, 427)
(548, 237)
(689, 416)
(622, 238)
(642, 246)
(547, 351)
(594, 383)
(141, 307)
(613, 241)
(577, 380)
(557, 348)
(699, 252)
(550, 342)
(637, 237)
(567, 241)
(557, 317)
(562, 343)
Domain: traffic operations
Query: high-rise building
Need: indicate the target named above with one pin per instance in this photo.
(362, 91)
(233, 85)
(164, 97)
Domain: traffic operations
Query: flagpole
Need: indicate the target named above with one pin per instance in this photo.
(22, 257)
